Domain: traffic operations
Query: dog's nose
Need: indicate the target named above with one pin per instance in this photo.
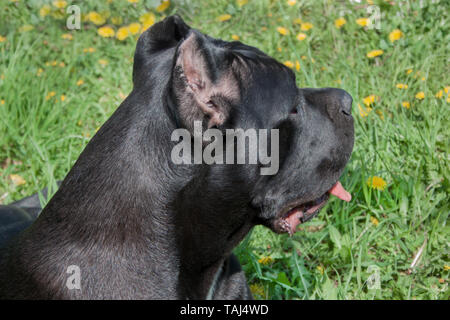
(346, 100)
(336, 101)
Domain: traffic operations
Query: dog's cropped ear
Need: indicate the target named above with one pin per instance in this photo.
(203, 81)
(163, 35)
(167, 32)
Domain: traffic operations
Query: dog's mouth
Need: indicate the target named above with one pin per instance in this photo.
(292, 215)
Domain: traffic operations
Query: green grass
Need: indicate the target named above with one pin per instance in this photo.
(330, 257)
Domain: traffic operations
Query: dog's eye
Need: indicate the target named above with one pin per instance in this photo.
(294, 110)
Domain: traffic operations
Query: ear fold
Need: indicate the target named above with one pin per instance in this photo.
(204, 82)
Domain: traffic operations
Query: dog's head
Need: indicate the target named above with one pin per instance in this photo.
(228, 85)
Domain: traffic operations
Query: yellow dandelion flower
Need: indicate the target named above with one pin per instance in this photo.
(265, 260)
(63, 97)
(289, 64)
(420, 95)
(2, 102)
(147, 20)
(439, 94)
(305, 26)
(374, 221)
(447, 89)
(369, 100)
(133, 28)
(364, 111)
(374, 53)
(257, 290)
(292, 2)
(133, 1)
(17, 179)
(320, 269)
(446, 268)
(60, 4)
(376, 183)
(45, 10)
(90, 50)
(96, 18)
(297, 65)
(2, 39)
(298, 21)
(235, 37)
(301, 36)
(406, 104)
(163, 6)
(380, 114)
(409, 71)
(50, 95)
(57, 14)
(122, 33)
(80, 82)
(340, 22)
(103, 62)
(279, 49)
(62, 64)
(26, 28)
(448, 99)
(106, 32)
(401, 86)
(223, 17)
(363, 22)
(67, 36)
(241, 3)
(122, 96)
(395, 35)
(283, 31)
(116, 21)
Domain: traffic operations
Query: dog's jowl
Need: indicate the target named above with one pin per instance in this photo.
(129, 222)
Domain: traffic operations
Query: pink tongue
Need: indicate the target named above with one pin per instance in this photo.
(339, 191)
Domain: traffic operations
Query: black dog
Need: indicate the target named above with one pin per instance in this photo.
(139, 226)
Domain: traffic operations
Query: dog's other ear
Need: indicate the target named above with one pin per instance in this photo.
(204, 83)
(163, 35)
(166, 33)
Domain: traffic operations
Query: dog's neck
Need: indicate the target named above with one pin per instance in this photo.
(124, 205)
(208, 229)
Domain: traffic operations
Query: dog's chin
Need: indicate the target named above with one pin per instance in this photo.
(294, 213)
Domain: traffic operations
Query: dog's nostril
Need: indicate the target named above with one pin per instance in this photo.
(346, 103)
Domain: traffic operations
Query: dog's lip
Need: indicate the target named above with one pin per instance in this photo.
(299, 212)
(293, 215)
